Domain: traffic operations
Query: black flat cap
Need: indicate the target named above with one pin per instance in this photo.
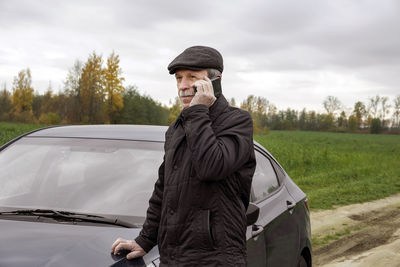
(197, 58)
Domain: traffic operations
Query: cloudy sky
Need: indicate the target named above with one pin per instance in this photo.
(294, 53)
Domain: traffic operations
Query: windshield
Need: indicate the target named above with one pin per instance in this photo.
(80, 175)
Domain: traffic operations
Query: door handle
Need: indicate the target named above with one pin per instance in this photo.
(290, 205)
(256, 230)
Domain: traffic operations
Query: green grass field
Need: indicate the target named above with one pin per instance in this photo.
(333, 169)
(336, 168)
(9, 130)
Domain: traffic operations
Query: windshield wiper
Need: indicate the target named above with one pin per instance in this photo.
(69, 216)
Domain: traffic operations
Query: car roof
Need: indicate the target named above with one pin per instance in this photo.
(106, 131)
(154, 133)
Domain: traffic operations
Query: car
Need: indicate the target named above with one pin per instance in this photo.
(68, 192)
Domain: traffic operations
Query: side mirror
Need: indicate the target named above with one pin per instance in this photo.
(252, 214)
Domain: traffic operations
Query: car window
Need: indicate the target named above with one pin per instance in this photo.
(265, 181)
(80, 175)
(279, 171)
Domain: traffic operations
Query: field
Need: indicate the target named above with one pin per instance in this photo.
(9, 130)
(336, 169)
(333, 169)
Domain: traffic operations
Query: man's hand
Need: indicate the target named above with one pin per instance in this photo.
(131, 245)
(205, 93)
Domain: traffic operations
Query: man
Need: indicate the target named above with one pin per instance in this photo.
(197, 213)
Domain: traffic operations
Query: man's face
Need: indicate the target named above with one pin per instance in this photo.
(184, 82)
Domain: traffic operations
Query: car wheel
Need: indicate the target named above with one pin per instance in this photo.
(302, 262)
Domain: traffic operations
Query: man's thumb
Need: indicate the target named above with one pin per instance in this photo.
(134, 254)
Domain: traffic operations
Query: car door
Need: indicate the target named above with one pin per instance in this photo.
(269, 239)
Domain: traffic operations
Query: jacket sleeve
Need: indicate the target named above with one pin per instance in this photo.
(214, 157)
(147, 238)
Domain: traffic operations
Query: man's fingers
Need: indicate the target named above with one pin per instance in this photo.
(115, 244)
(208, 86)
(122, 246)
(135, 254)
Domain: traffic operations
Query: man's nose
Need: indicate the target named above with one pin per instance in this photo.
(185, 84)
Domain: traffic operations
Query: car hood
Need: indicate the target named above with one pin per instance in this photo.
(54, 244)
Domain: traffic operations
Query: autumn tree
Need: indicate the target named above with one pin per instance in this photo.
(174, 110)
(113, 88)
(48, 104)
(23, 91)
(5, 103)
(359, 112)
(258, 107)
(92, 92)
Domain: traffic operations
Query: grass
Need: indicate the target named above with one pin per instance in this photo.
(333, 169)
(10, 130)
(336, 169)
(319, 241)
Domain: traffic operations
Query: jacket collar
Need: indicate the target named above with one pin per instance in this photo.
(218, 107)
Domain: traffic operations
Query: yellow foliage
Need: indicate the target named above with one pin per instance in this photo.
(23, 92)
(92, 93)
(113, 86)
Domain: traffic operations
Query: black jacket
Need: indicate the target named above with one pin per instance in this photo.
(197, 211)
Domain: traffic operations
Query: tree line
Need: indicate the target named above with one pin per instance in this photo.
(93, 92)
(373, 116)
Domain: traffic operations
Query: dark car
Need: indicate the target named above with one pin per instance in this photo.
(68, 192)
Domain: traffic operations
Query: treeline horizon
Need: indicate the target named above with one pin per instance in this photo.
(93, 93)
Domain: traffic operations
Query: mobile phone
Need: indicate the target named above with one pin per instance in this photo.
(216, 83)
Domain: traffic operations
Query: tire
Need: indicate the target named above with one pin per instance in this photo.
(302, 262)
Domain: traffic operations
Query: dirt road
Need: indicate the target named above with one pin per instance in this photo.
(358, 235)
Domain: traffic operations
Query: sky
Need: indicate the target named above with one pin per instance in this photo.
(293, 53)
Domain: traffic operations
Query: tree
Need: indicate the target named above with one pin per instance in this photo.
(384, 109)
(353, 123)
(72, 94)
(342, 120)
(359, 111)
(113, 87)
(373, 106)
(325, 122)
(312, 123)
(92, 90)
(48, 104)
(303, 120)
(396, 112)
(332, 104)
(376, 126)
(23, 92)
(140, 109)
(249, 104)
(37, 104)
(232, 102)
(175, 110)
(5, 103)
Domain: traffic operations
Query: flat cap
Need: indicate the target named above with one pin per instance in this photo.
(197, 58)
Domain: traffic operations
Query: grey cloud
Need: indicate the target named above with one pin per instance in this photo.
(285, 36)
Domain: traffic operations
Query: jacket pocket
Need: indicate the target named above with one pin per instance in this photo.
(201, 231)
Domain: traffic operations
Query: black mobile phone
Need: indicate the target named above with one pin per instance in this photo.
(216, 83)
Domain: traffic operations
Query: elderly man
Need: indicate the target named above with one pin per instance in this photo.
(197, 213)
